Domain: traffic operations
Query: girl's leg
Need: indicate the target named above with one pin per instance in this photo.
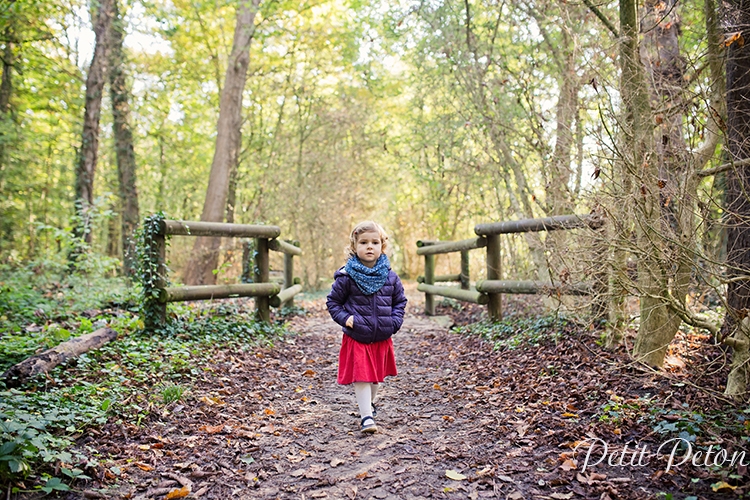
(374, 391)
(363, 394)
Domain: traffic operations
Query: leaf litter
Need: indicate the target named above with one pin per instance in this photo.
(461, 420)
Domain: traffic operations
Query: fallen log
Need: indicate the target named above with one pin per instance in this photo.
(43, 362)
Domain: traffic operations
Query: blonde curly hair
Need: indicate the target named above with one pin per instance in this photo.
(365, 227)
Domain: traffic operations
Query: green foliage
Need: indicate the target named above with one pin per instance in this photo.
(619, 410)
(40, 309)
(171, 393)
(519, 332)
(36, 429)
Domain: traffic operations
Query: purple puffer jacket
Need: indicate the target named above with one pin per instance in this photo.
(376, 316)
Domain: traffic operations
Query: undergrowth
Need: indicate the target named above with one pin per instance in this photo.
(123, 382)
(519, 332)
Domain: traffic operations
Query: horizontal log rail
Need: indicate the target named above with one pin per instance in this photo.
(200, 228)
(535, 225)
(287, 293)
(209, 292)
(532, 287)
(452, 246)
(490, 290)
(472, 296)
(442, 278)
(284, 247)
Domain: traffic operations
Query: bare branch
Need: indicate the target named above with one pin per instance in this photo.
(723, 168)
(602, 17)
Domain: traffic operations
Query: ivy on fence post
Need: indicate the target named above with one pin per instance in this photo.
(152, 271)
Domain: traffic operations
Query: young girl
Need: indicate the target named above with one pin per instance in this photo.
(367, 299)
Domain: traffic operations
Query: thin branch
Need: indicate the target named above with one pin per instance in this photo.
(602, 17)
(723, 168)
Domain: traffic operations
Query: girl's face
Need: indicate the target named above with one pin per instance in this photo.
(369, 247)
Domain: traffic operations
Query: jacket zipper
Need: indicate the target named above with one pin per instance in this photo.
(375, 310)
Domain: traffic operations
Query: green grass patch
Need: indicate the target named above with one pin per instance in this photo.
(521, 332)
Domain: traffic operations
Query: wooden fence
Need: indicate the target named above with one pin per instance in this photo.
(488, 291)
(266, 293)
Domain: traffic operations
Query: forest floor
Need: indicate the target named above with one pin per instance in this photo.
(461, 420)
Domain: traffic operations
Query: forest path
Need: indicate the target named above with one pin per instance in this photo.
(273, 423)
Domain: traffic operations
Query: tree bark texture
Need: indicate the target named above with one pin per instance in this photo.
(45, 361)
(126, 167)
(737, 18)
(206, 250)
(6, 91)
(84, 175)
(737, 379)
(668, 196)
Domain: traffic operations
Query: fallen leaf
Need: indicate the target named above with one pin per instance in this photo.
(335, 462)
(210, 401)
(178, 493)
(448, 418)
(308, 373)
(211, 429)
(269, 411)
(561, 496)
(568, 464)
(569, 415)
(144, 467)
(437, 387)
(722, 487)
(456, 476)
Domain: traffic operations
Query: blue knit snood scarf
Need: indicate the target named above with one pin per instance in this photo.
(368, 279)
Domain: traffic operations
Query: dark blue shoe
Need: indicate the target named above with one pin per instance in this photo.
(368, 425)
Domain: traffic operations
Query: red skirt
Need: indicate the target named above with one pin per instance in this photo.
(360, 362)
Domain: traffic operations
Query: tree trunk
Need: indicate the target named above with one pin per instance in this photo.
(737, 18)
(84, 175)
(6, 90)
(206, 250)
(738, 377)
(126, 168)
(45, 361)
(641, 186)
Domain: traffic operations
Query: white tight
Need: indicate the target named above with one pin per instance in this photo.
(365, 393)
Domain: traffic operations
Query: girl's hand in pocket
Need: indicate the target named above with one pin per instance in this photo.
(350, 322)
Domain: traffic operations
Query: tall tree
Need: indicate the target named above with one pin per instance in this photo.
(6, 90)
(126, 166)
(87, 155)
(736, 23)
(205, 254)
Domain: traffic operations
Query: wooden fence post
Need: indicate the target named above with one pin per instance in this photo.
(262, 304)
(159, 308)
(289, 275)
(429, 279)
(465, 270)
(493, 273)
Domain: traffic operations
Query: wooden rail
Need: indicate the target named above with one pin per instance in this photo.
(490, 291)
(266, 293)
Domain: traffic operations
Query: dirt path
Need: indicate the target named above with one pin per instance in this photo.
(274, 424)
